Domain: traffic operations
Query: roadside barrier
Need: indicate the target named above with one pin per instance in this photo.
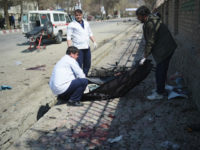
(10, 31)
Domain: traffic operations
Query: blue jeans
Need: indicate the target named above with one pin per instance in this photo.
(84, 60)
(75, 90)
(161, 75)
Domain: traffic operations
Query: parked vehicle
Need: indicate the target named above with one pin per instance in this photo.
(90, 18)
(55, 23)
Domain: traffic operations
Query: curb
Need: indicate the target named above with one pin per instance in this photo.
(10, 31)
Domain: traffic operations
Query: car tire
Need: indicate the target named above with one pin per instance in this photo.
(58, 38)
(49, 28)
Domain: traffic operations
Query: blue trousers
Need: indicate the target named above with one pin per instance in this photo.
(84, 60)
(75, 90)
(161, 75)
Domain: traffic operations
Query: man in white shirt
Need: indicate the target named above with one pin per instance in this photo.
(68, 80)
(79, 34)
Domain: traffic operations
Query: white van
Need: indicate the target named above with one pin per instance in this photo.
(57, 22)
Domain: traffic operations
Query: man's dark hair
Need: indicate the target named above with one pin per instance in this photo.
(143, 11)
(78, 11)
(72, 49)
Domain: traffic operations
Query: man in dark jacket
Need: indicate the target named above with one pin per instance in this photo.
(159, 43)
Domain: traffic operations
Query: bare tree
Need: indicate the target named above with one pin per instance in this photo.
(123, 4)
(69, 5)
(110, 5)
(93, 7)
(21, 3)
(5, 4)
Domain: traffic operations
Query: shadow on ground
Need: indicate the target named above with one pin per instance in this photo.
(44, 44)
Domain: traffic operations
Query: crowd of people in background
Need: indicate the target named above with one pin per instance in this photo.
(2, 23)
(11, 21)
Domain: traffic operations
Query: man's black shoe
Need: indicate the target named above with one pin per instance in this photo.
(74, 103)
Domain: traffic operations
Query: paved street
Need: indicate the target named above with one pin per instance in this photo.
(12, 41)
(9, 42)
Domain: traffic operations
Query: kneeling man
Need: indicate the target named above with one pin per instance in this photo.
(68, 80)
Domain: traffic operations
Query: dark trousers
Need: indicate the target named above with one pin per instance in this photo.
(75, 90)
(161, 75)
(84, 60)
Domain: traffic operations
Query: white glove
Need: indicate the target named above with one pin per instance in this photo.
(142, 61)
(95, 45)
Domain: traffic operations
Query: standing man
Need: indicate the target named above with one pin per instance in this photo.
(78, 35)
(159, 43)
(68, 80)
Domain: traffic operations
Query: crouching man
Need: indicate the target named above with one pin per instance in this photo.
(68, 80)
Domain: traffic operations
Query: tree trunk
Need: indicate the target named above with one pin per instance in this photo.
(6, 15)
(21, 9)
(38, 4)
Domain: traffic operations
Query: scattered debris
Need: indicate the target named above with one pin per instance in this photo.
(179, 90)
(88, 133)
(150, 119)
(5, 87)
(52, 117)
(92, 87)
(41, 67)
(104, 126)
(193, 127)
(170, 145)
(18, 63)
(59, 109)
(116, 139)
(169, 87)
(179, 82)
(111, 116)
(87, 90)
(173, 94)
(175, 75)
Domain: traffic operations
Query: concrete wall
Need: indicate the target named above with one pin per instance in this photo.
(183, 21)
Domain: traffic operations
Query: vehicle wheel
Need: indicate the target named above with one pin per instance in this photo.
(59, 38)
(49, 28)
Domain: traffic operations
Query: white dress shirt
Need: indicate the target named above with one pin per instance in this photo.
(66, 70)
(80, 36)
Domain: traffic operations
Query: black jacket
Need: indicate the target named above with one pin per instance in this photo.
(159, 40)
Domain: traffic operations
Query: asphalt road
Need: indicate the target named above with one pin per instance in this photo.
(10, 42)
